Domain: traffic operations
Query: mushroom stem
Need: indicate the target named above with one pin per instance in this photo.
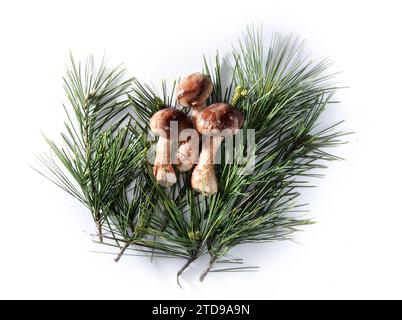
(188, 150)
(163, 169)
(210, 145)
(195, 111)
(204, 178)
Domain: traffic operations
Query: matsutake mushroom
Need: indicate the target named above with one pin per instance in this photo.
(162, 124)
(193, 91)
(216, 122)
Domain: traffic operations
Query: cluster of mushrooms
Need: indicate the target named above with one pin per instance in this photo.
(211, 123)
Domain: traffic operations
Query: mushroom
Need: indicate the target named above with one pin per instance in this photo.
(161, 125)
(193, 91)
(216, 122)
(188, 150)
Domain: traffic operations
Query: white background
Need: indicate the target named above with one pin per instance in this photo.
(354, 250)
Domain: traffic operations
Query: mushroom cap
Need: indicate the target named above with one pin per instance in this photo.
(219, 119)
(194, 89)
(160, 121)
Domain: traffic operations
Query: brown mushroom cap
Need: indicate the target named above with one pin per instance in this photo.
(218, 119)
(194, 89)
(160, 121)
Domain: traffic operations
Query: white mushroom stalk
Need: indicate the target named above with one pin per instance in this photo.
(163, 169)
(195, 111)
(204, 178)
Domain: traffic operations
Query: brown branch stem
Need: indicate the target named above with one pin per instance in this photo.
(182, 269)
(122, 252)
(208, 268)
(99, 227)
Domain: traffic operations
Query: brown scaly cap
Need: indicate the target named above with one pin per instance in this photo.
(218, 117)
(193, 90)
(160, 121)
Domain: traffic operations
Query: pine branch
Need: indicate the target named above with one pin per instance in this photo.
(102, 160)
(91, 164)
(282, 97)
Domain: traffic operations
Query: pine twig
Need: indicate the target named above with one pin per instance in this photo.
(121, 253)
(99, 227)
(208, 268)
(182, 269)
